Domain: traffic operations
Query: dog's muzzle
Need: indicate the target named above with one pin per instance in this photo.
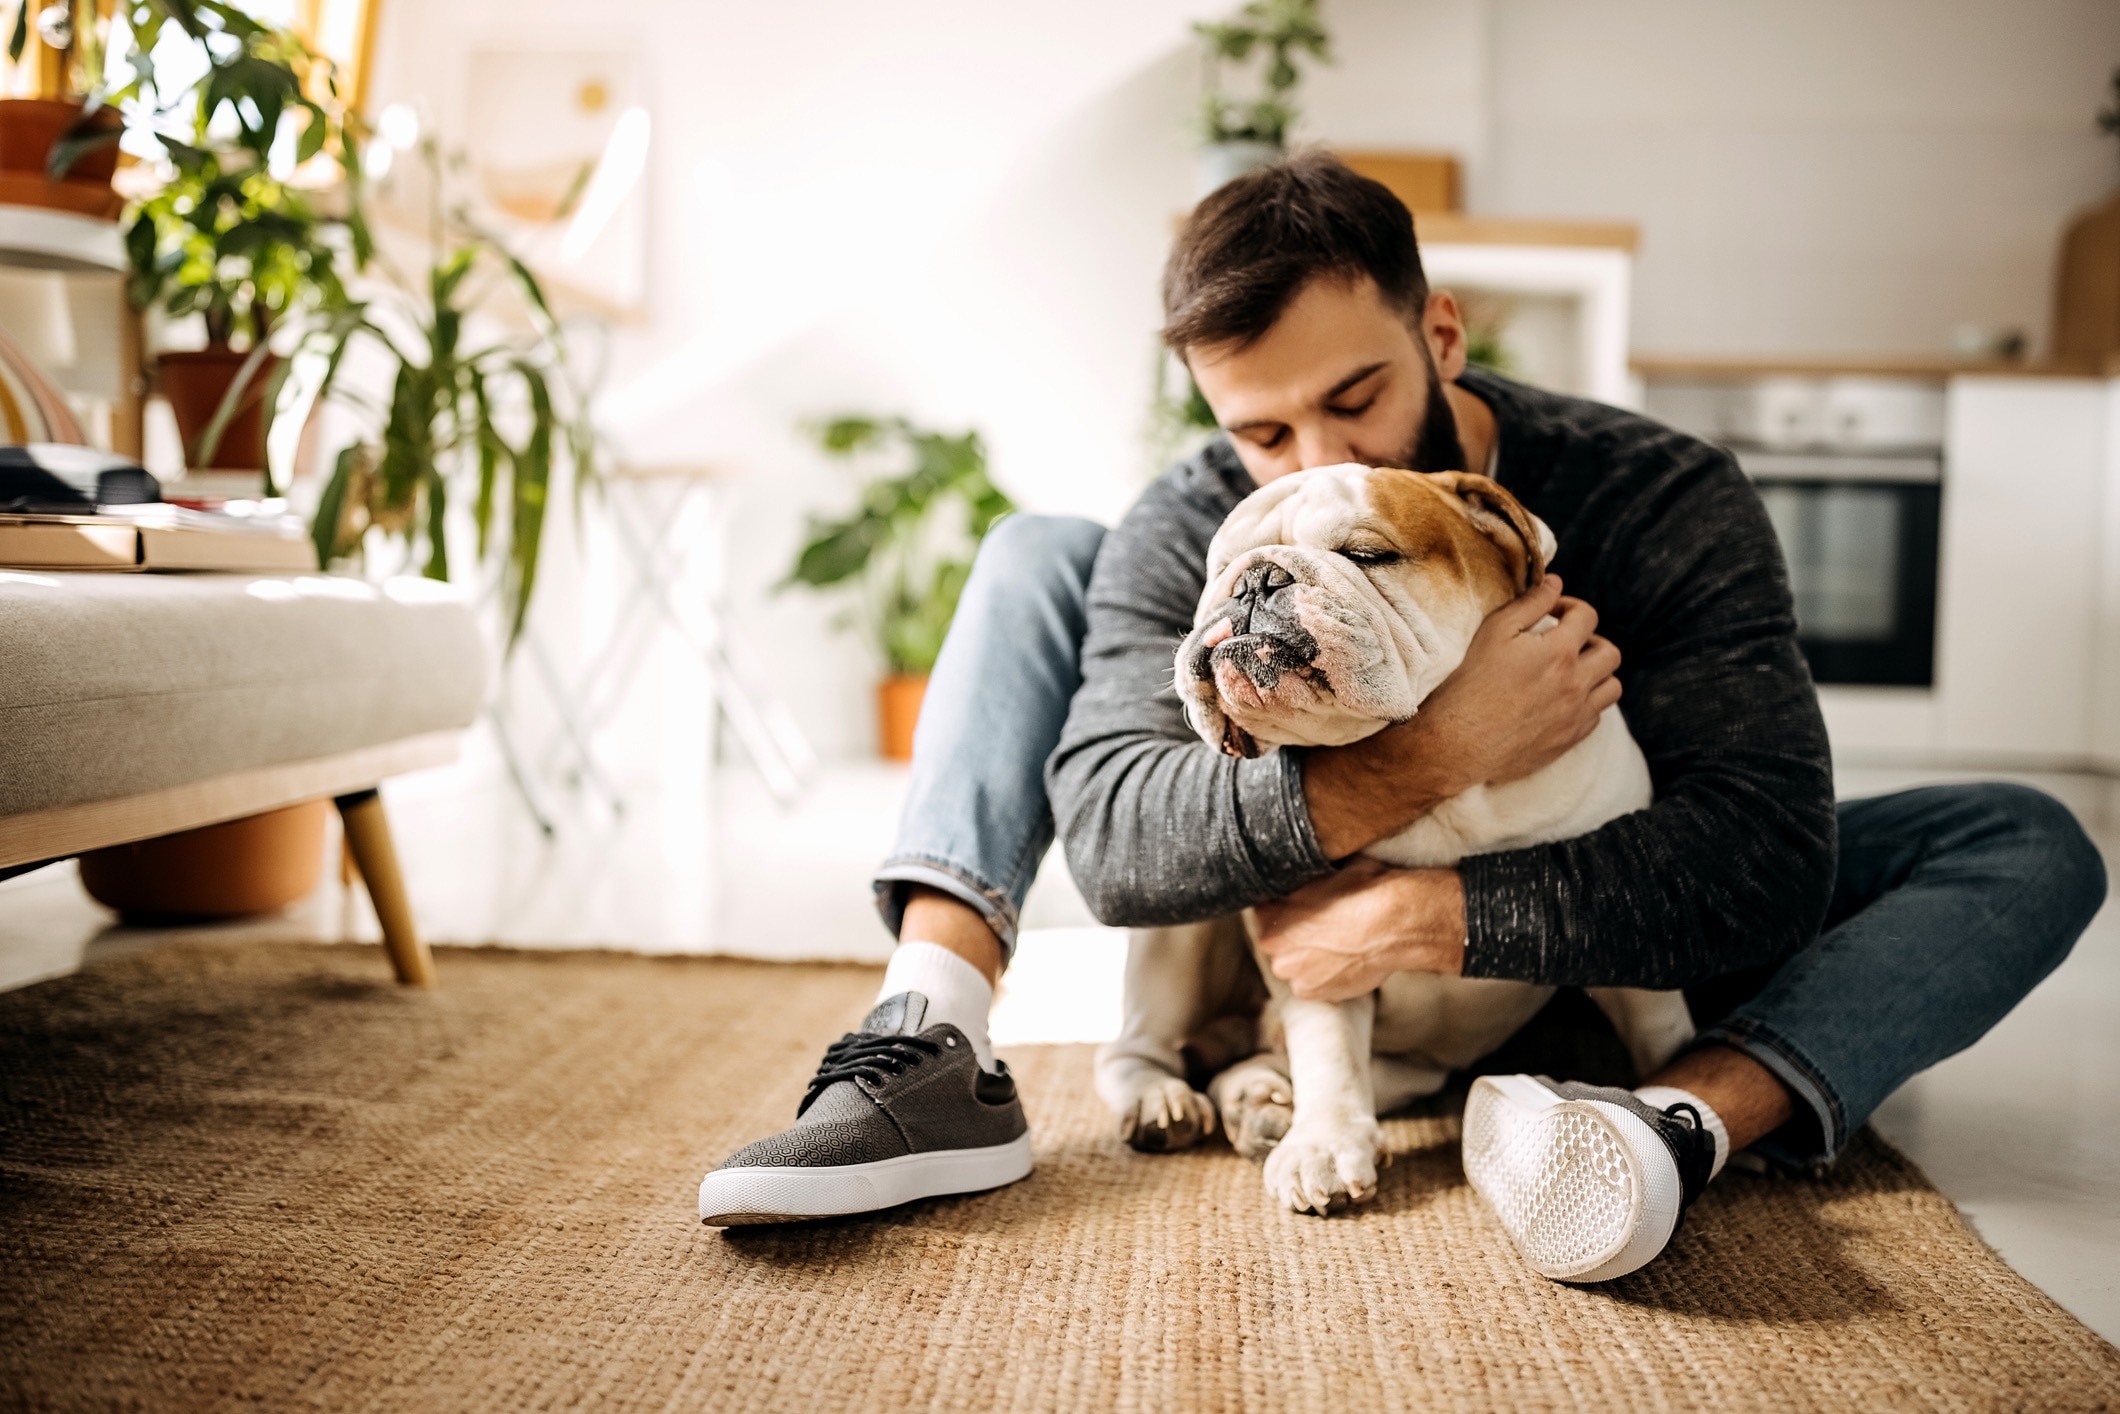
(1265, 640)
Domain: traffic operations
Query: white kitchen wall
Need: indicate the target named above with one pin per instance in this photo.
(1813, 176)
(959, 210)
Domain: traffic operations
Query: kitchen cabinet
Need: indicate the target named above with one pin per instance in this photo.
(1557, 292)
(2027, 629)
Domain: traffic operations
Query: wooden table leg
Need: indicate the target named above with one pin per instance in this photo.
(368, 836)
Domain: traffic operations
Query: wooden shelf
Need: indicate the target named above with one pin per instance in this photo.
(1456, 228)
(1930, 366)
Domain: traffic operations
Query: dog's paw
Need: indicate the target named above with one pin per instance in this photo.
(1322, 1167)
(1167, 1114)
(1257, 1106)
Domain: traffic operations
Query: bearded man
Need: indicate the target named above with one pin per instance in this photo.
(1828, 952)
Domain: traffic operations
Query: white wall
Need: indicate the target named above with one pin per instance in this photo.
(1810, 175)
(959, 209)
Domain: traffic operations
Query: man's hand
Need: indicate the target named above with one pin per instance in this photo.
(1343, 935)
(1524, 695)
(1521, 698)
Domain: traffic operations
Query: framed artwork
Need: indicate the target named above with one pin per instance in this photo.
(556, 148)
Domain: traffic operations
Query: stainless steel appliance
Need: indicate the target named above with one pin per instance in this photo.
(1860, 535)
(1851, 472)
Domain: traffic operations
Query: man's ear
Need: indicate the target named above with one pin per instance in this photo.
(1523, 537)
(1443, 327)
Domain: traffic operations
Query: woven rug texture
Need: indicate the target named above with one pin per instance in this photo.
(262, 1175)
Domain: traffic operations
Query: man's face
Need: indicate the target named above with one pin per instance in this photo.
(1340, 377)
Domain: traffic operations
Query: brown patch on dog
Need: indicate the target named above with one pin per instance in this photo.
(1484, 527)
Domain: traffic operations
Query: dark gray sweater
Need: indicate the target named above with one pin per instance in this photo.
(1731, 867)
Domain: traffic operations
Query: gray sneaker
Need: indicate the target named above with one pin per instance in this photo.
(893, 1114)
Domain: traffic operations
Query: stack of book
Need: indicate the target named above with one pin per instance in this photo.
(155, 537)
(72, 509)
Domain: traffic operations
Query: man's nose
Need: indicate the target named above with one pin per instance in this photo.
(1323, 446)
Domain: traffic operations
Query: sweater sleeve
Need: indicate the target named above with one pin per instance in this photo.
(1158, 826)
(1732, 866)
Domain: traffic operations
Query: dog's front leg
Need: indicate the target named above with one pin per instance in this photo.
(1329, 1158)
(1170, 990)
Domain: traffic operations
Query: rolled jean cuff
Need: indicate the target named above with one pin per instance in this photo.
(1804, 1080)
(992, 904)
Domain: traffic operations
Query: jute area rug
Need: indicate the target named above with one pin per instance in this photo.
(262, 1175)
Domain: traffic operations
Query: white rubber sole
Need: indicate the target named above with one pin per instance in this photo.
(1585, 1189)
(740, 1197)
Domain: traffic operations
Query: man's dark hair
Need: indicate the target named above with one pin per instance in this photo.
(1248, 249)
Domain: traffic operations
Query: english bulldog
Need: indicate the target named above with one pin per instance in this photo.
(1337, 600)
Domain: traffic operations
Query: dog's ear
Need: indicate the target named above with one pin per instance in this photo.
(1523, 537)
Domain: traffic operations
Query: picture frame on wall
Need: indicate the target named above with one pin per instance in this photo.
(556, 144)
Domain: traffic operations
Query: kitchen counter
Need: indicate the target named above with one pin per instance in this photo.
(1927, 366)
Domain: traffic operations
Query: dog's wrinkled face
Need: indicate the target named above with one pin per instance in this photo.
(1338, 598)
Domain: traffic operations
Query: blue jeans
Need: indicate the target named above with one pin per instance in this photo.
(1950, 904)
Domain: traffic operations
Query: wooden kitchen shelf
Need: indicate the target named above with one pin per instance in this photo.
(1455, 228)
(1933, 366)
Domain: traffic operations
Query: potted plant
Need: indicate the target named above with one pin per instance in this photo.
(1244, 133)
(58, 146)
(443, 439)
(228, 236)
(908, 546)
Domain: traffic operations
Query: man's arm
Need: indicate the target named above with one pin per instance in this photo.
(1158, 826)
(1730, 867)
(1516, 704)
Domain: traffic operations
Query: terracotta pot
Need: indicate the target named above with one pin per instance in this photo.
(28, 128)
(898, 701)
(253, 865)
(195, 381)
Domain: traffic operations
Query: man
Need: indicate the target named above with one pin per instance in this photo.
(1297, 299)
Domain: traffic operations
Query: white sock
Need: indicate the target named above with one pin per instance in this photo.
(956, 991)
(1662, 1097)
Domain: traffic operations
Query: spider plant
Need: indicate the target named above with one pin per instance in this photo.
(442, 441)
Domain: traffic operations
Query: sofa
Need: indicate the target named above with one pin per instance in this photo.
(134, 706)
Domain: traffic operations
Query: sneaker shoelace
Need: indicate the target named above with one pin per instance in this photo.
(1696, 1157)
(871, 1058)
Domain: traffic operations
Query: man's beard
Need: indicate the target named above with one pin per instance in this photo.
(1436, 446)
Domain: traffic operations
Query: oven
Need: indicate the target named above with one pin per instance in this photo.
(1860, 532)
(1851, 470)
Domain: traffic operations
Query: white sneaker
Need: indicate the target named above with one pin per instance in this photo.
(1589, 1181)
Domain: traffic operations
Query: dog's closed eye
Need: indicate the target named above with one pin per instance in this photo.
(1371, 554)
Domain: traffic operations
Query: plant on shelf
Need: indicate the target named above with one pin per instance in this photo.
(443, 441)
(229, 236)
(58, 144)
(1245, 132)
(908, 546)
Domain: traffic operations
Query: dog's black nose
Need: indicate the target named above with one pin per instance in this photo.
(1263, 579)
(1253, 600)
